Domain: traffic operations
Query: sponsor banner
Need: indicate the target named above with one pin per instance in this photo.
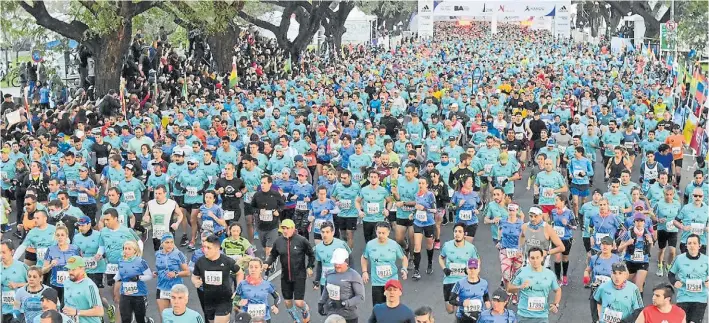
(562, 20)
(500, 8)
(425, 18)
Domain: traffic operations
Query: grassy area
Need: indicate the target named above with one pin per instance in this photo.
(20, 59)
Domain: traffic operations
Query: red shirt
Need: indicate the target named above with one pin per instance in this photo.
(653, 315)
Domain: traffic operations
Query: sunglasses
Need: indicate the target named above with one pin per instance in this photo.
(30, 204)
(698, 195)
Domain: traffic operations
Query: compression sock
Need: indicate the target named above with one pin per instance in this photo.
(305, 311)
(417, 260)
(565, 266)
(294, 313)
(557, 270)
(430, 256)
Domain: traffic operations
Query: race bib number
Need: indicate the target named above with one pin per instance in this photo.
(213, 278)
(670, 225)
(697, 228)
(488, 168)
(256, 310)
(159, 231)
(421, 216)
(511, 252)
(41, 252)
(560, 231)
(536, 304)
(384, 271)
(266, 215)
(129, 196)
(345, 204)
(638, 256)
(165, 294)
(130, 288)
(301, 206)
(519, 136)
(112, 269)
(600, 279)
(8, 297)
(457, 269)
(212, 180)
(414, 136)
(62, 276)
(90, 262)
(70, 185)
(500, 179)
(208, 225)
(372, 208)
(318, 223)
(611, 316)
(102, 160)
(600, 236)
(676, 150)
(475, 306)
(453, 161)
(629, 145)
(82, 198)
(228, 215)
(191, 191)
(548, 192)
(333, 292)
(562, 149)
(693, 285)
(465, 215)
(357, 177)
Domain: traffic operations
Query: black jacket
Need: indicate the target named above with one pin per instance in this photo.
(292, 252)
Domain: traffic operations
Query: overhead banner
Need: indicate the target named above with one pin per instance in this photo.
(500, 8)
(425, 18)
(562, 21)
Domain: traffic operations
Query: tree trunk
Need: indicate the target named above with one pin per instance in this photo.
(222, 47)
(109, 51)
(337, 39)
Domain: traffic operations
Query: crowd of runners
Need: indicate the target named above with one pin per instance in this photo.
(235, 186)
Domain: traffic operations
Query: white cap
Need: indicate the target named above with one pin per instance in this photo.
(339, 256)
(79, 134)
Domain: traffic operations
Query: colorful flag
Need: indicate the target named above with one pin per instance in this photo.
(287, 66)
(233, 78)
(701, 90)
(184, 88)
(689, 126)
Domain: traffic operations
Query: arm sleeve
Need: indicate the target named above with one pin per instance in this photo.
(276, 297)
(358, 290)
(318, 271)
(309, 252)
(672, 277)
(147, 275)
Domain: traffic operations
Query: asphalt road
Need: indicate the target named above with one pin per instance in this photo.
(428, 291)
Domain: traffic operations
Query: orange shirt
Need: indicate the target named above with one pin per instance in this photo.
(676, 143)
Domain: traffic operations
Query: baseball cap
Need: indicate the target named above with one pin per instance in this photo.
(638, 217)
(83, 169)
(393, 165)
(451, 138)
(75, 262)
(5, 150)
(128, 166)
(303, 172)
(298, 158)
(639, 205)
(51, 295)
(84, 220)
(473, 263)
(288, 223)
(178, 152)
(393, 283)
(551, 142)
(619, 266)
(499, 295)
(607, 240)
(192, 160)
(339, 256)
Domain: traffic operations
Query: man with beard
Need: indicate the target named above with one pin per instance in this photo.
(81, 296)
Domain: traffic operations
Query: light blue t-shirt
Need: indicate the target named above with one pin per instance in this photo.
(83, 295)
(15, 273)
(407, 193)
(257, 297)
(128, 272)
(456, 259)
(533, 301)
(548, 182)
(373, 203)
(475, 292)
(346, 196)
(169, 262)
(695, 219)
(382, 260)
(189, 316)
(617, 304)
(692, 273)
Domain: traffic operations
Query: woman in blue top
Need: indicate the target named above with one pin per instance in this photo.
(170, 265)
(86, 193)
(28, 298)
(252, 293)
(424, 225)
(511, 258)
(133, 272)
(322, 210)
(56, 257)
(470, 294)
(564, 222)
(599, 271)
(466, 202)
(212, 216)
(636, 243)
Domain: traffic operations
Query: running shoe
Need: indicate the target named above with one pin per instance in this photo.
(667, 267)
(445, 220)
(111, 313)
(183, 241)
(416, 275)
(191, 246)
(306, 313)
(565, 281)
(660, 268)
(437, 246)
(429, 270)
